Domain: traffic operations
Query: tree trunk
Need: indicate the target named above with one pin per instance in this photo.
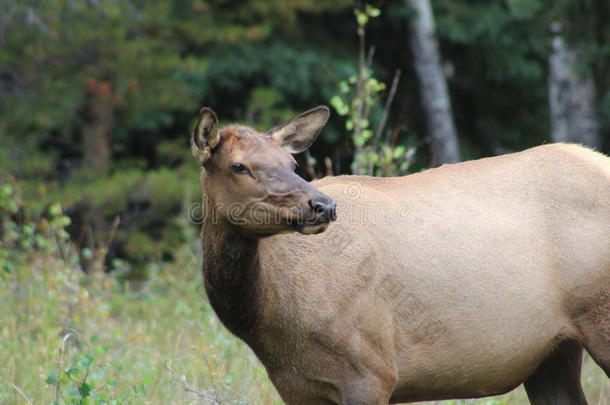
(432, 84)
(96, 133)
(571, 95)
(96, 162)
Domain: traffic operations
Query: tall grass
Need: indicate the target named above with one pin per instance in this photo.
(71, 338)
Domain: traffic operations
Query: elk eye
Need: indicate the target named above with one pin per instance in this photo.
(239, 168)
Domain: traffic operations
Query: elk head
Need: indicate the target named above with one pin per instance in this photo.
(249, 177)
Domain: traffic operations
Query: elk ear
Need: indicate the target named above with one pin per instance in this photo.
(205, 135)
(299, 133)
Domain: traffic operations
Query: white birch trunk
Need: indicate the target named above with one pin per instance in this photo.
(571, 96)
(433, 86)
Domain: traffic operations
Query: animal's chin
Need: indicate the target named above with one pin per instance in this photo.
(309, 228)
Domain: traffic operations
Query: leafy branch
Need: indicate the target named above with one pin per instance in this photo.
(356, 100)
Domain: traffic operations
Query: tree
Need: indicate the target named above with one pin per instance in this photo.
(572, 94)
(432, 84)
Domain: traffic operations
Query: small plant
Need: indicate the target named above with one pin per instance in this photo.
(22, 236)
(356, 101)
(84, 377)
(20, 232)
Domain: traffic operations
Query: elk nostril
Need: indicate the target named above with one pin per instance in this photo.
(333, 211)
(317, 206)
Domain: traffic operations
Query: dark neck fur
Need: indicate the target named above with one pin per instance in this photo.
(231, 274)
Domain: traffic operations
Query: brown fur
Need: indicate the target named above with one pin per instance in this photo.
(458, 282)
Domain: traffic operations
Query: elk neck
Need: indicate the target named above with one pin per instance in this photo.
(231, 272)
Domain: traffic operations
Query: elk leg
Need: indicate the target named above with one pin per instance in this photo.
(557, 380)
(596, 332)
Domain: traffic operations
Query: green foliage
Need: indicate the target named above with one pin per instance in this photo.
(64, 62)
(150, 205)
(20, 239)
(357, 100)
(153, 207)
(82, 376)
(355, 122)
(9, 199)
(363, 16)
(300, 74)
(265, 108)
(152, 58)
(506, 35)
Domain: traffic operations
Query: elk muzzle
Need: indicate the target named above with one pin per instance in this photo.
(322, 210)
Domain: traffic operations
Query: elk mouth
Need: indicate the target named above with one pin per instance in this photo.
(309, 227)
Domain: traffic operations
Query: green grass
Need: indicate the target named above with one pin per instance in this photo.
(63, 333)
(74, 339)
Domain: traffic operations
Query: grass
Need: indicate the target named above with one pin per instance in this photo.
(69, 338)
(64, 335)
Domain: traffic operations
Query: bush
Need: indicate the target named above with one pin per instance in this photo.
(149, 207)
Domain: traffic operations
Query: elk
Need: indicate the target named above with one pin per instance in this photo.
(457, 282)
